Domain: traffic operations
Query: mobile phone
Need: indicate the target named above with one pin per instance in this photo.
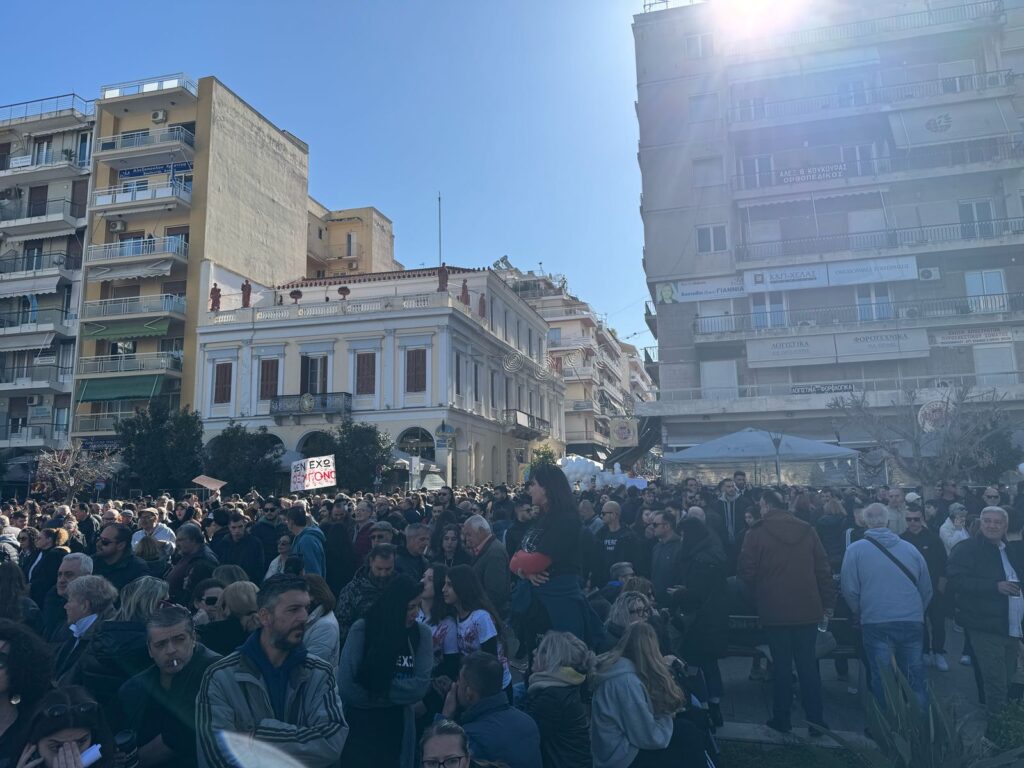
(90, 756)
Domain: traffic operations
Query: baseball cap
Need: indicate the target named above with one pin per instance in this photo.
(957, 508)
(912, 498)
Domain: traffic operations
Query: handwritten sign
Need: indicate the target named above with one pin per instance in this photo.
(315, 472)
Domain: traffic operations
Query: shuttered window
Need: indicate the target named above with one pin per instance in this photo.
(416, 370)
(222, 383)
(366, 373)
(268, 378)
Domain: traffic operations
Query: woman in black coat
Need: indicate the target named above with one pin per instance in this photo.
(556, 698)
(41, 571)
(699, 606)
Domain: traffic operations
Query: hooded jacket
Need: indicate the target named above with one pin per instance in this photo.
(309, 544)
(623, 721)
(875, 588)
(556, 702)
(786, 569)
(496, 731)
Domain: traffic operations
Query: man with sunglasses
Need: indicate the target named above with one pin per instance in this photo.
(114, 560)
(933, 551)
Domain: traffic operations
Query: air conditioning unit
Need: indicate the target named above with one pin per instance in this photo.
(159, 116)
(117, 225)
(944, 384)
(928, 273)
(353, 265)
(7, 194)
(911, 313)
(807, 323)
(35, 400)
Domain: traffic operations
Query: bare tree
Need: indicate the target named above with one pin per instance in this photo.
(74, 470)
(960, 434)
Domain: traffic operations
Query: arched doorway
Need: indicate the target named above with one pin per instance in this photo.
(316, 443)
(416, 441)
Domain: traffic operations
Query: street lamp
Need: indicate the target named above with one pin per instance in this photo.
(777, 442)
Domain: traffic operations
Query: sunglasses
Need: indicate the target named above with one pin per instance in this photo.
(210, 600)
(62, 710)
(101, 542)
(915, 520)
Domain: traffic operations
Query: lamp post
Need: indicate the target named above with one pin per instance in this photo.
(777, 442)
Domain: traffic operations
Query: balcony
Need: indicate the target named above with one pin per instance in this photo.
(44, 218)
(17, 435)
(651, 318)
(29, 379)
(925, 313)
(574, 372)
(525, 426)
(937, 237)
(47, 115)
(133, 250)
(160, 304)
(146, 147)
(920, 162)
(573, 342)
(333, 406)
(803, 397)
(146, 361)
(585, 436)
(37, 322)
(42, 167)
(100, 422)
(150, 86)
(582, 406)
(876, 99)
(37, 265)
(129, 200)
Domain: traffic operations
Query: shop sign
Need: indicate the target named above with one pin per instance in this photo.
(813, 173)
(966, 337)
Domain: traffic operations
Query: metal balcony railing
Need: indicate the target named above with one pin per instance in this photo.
(860, 314)
(40, 108)
(516, 418)
(149, 85)
(1009, 149)
(328, 402)
(135, 305)
(36, 317)
(883, 95)
(650, 355)
(127, 249)
(19, 434)
(100, 422)
(176, 134)
(36, 262)
(142, 194)
(49, 374)
(882, 239)
(147, 361)
(582, 435)
(9, 162)
(16, 209)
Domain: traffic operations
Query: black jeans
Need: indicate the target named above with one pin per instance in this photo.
(935, 626)
(685, 749)
(789, 645)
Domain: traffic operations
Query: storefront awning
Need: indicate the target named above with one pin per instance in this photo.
(158, 268)
(29, 286)
(120, 388)
(129, 329)
(21, 341)
(952, 122)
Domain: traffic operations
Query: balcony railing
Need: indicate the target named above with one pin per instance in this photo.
(149, 85)
(19, 434)
(36, 317)
(882, 95)
(988, 9)
(100, 422)
(9, 162)
(48, 374)
(176, 134)
(15, 210)
(882, 239)
(127, 249)
(41, 108)
(37, 262)
(861, 314)
(583, 436)
(147, 361)
(145, 194)
(296, 405)
(650, 355)
(135, 305)
(1010, 149)
(526, 421)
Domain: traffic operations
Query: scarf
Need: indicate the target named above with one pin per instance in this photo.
(559, 678)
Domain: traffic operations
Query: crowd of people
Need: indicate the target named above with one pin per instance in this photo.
(535, 627)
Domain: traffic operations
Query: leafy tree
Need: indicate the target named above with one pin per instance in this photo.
(245, 459)
(162, 448)
(542, 455)
(74, 471)
(361, 452)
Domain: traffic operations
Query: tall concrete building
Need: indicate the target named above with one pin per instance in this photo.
(45, 149)
(184, 172)
(353, 241)
(832, 206)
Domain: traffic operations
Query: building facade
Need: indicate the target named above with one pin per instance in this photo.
(352, 241)
(45, 156)
(833, 207)
(451, 366)
(183, 172)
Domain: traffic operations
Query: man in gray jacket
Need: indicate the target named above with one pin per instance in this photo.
(270, 698)
(885, 580)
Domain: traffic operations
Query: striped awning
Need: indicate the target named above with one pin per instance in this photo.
(158, 268)
(112, 330)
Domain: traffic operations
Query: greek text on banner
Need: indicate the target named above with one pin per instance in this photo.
(315, 472)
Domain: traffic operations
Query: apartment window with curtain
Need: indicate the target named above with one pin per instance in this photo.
(366, 373)
(222, 383)
(416, 370)
(268, 377)
(313, 375)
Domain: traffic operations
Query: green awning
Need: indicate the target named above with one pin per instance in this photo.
(112, 330)
(119, 388)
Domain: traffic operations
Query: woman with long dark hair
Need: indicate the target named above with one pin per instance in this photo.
(437, 615)
(477, 624)
(385, 669)
(15, 604)
(446, 546)
(26, 669)
(68, 721)
(549, 594)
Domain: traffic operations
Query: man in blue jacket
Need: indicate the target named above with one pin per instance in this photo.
(495, 729)
(309, 541)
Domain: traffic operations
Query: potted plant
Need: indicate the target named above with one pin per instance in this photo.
(344, 291)
(295, 295)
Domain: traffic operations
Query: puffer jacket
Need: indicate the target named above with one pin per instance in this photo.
(117, 652)
(555, 700)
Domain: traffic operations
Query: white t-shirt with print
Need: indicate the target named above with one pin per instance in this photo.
(475, 630)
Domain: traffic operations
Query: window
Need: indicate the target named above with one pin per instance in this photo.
(874, 303)
(699, 46)
(320, 233)
(458, 374)
(703, 107)
(494, 389)
(707, 172)
(768, 310)
(476, 382)
(554, 337)
(122, 348)
(350, 244)
(750, 108)
(859, 159)
(135, 185)
(756, 171)
(416, 370)
(174, 344)
(853, 93)
(268, 377)
(986, 290)
(711, 239)
(321, 274)
(976, 219)
(366, 373)
(222, 383)
(313, 375)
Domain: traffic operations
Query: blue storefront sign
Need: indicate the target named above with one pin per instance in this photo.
(153, 170)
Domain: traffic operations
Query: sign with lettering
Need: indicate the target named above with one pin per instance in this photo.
(821, 389)
(966, 337)
(153, 170)
(803, 350)
(786, 278)
(814, 173)
(704, 289)
(623, 432)
(872, 270)
(315, 472)
(862, 346)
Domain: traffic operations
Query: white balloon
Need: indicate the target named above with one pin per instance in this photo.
(1020, 468)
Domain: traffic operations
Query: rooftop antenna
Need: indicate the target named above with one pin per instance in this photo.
(439, 262)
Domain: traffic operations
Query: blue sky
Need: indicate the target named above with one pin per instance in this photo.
(519, 112)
